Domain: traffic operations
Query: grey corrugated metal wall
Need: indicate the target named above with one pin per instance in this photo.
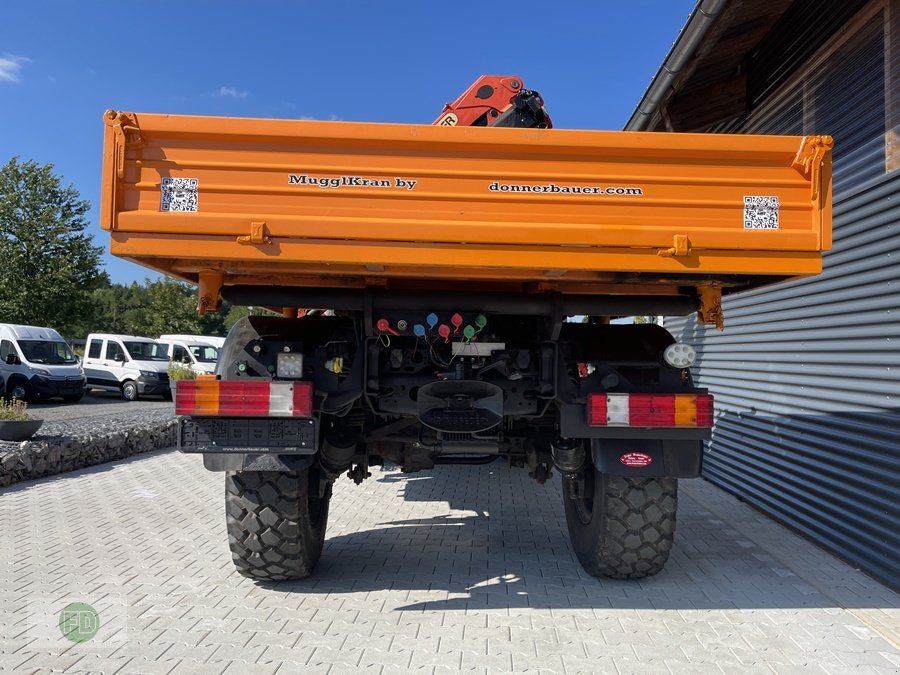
(807, 373)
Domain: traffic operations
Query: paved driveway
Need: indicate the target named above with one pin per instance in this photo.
(458, 569)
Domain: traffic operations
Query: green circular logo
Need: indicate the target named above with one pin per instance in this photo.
(79, 622)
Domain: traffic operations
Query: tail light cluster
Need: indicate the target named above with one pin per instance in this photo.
(650, 410)
(240, 398)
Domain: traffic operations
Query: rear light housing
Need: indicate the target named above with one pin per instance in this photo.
(243, 398)
(650, 410)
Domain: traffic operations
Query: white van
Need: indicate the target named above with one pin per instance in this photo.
(130, 364)
(197, 351)
(36, 363)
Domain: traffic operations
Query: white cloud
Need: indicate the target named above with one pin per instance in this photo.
(10, 65)
(232, 92)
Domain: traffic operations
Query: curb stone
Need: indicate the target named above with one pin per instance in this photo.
(71, 445)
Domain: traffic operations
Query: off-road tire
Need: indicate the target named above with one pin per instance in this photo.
(623, 527)
(276, 530)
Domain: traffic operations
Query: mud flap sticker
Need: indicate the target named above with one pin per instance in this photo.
(179, 195)
(760, 213)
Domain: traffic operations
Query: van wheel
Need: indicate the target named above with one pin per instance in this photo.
(130, 390)
(18, 389)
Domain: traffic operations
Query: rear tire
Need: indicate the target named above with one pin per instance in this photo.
(622, 527)
(276, 522)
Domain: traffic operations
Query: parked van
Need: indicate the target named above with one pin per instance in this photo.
(37, 363)
(130, 364)
(197, 351)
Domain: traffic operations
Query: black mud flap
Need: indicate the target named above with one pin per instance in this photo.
(650, 458)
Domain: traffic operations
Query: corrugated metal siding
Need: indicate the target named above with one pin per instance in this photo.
(807, 373)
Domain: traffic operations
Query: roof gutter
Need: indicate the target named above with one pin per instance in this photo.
(690, 37)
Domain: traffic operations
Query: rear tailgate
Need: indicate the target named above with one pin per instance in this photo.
(266, 199)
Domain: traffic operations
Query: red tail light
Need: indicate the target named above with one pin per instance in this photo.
(650, 410)
(243, 398)
(238, 398)
(303, 399)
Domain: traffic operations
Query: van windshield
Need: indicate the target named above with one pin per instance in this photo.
(45, 351)
(205, 353)
(147, 351)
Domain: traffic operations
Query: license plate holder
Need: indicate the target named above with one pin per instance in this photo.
(296, 436)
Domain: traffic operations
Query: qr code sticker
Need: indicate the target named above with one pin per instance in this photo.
(760, 213)
(179, 194)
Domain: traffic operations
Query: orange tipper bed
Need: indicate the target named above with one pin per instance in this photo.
(229, 201)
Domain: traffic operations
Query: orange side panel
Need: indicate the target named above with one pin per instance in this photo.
(182, 194)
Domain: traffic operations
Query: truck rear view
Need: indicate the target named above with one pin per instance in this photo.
(470, 275)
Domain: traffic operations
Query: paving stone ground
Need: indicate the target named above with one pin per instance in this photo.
(458, 569)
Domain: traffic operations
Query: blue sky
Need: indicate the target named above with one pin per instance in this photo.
(63, 63)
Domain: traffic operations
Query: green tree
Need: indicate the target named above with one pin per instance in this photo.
(164, 306)
(48, 264)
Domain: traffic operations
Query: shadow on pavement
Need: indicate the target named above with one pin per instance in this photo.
(506, 546)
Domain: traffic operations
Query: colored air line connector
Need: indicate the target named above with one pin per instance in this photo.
(432, 320)
(419, 330)
(385, 327)
(444, 332)
(457, 321)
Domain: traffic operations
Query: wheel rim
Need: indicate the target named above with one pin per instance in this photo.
(584, 504)
(18, 391)
(129, 391)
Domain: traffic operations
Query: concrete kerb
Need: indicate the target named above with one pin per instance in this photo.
(61, 448)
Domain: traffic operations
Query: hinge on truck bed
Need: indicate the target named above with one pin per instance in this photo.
(258, 235)
(681, 248)
(711, 306)
(125, 127)
(810, 159)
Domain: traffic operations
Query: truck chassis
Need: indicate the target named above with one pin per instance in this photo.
(418, 379)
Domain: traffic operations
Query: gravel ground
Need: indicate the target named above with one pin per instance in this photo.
(95, 404)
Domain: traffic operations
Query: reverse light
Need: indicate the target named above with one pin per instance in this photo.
(242, 398)
(680, 355)
(650, 410)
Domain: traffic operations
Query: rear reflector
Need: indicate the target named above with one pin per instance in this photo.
(243, 398)
(650, 410)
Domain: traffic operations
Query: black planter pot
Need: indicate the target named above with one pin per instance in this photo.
(19, 430)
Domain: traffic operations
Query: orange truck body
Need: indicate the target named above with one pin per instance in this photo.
(347, 205)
